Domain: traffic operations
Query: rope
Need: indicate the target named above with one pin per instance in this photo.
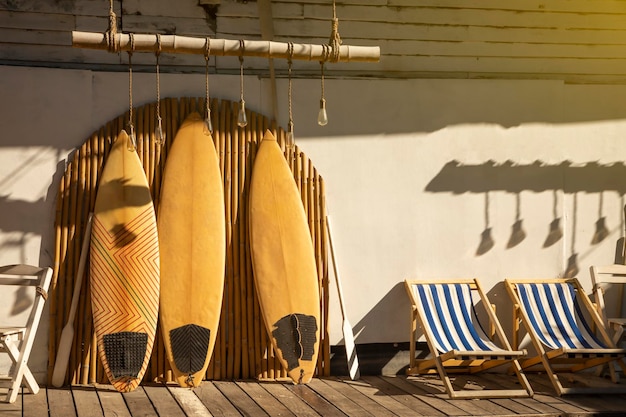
(242, 120)
(206, 84)
(131, 134)
(335, 40)
(242, 47)
(130, 79)
(112, 46)
(289, 62)
(41, 292)
(159, 131)
(322, 81)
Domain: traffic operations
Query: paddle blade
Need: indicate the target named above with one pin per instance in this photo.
(353, 360)
(63, 355)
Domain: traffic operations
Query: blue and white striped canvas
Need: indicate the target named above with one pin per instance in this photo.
(450, 315)
(556, 316)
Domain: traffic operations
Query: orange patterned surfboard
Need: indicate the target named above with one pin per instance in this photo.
(124, 268)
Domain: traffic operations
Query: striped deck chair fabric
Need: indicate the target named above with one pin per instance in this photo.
(451, 317)
(559, 318)
(456, 339)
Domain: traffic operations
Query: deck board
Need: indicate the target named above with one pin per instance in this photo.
(289, 399)
(139, 404)
(385, 396)
(163, 401)
(112, 402)
(213, 399)
(61, 403)
(84, 399)
(189, 401)
(35, 405)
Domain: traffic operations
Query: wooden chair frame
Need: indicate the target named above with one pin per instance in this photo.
(459, 360)
(600, 277)
(564, 359)
(17, 341)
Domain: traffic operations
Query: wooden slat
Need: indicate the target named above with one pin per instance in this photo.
(433, 406)
(61, 403)
(343, 403)
(215, 401)
(139, 404)
(289, 399)
(34, 405)
(113, 404)
(164, 403)
(189, 401)
(362, 400)
(84, 399)
(389, 402)
(264, 399)
(315, 401)
(239, 398)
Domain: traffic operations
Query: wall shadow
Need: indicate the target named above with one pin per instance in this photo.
(590, 177)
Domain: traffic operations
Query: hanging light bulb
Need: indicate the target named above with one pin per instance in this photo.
(131, 142)
(322, 116)
(208, 126)
(242, 120)
(160, 136)
(291, 140)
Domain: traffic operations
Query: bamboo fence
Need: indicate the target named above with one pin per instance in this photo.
(243, 349)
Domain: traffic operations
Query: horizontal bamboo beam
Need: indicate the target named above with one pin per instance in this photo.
(223, 47)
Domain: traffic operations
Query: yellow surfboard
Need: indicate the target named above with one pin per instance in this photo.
(124, 268)
(193, 249)
(283, 261)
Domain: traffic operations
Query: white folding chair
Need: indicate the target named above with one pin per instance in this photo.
(17, 341)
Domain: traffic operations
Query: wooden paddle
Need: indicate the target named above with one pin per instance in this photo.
(67, 335)
(348, 336)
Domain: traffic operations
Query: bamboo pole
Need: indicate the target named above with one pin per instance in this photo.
(235, 132)
(224, 47)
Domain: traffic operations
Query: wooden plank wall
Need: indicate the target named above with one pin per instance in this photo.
(242, 349)
(573, 40)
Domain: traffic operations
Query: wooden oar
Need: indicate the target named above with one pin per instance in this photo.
(348, 336)
(67, 336)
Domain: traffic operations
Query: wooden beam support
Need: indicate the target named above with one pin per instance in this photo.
(223, 47)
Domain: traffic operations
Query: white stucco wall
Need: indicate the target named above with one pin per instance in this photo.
(405, 168)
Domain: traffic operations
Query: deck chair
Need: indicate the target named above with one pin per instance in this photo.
(612, 278)
(457, 342)
(17, 341)
(556, 314)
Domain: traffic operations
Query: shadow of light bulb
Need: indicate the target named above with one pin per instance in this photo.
(555, 233)
(486, 242)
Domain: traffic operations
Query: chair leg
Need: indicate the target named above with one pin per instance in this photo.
(21, 371)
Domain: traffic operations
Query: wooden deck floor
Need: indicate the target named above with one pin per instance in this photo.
(370, 396)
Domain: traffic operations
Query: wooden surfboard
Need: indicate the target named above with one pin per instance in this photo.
(124, 268)
(283, 262)
(193, 249)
